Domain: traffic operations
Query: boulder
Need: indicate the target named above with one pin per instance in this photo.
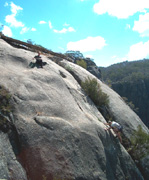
(57, 132)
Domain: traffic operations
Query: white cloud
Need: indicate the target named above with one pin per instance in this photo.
(15, 8)
(71, 29)
(138, 51)
(50, 25)
(88, 44)
(33, 29)
(42, 22)
(24, 30)
(120, 8)
(142, 25)
(7, 31)
(11, 19)
(64, 30)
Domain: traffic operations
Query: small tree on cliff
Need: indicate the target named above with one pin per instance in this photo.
(93, 90)
(139, 144)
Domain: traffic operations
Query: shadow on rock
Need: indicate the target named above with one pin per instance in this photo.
(32, 65)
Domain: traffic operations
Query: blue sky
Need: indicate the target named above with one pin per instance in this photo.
(109, 31)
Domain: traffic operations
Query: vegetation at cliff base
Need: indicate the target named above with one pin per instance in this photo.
(139, 144)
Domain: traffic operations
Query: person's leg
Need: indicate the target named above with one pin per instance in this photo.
(41, 64)
(119, 136)
(115, 130)
(37, 62)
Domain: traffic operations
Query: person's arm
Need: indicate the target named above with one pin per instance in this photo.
(107, 124)
(34, 57)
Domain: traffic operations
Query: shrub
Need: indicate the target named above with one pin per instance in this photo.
(5, 97)
(5, 107)
(139, 144)
(81, 63)
(68, 68)
(93, 90)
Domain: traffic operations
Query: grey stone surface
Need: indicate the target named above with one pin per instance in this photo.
(145, 166)
(118, 108)
(59, 133)
(10, 168)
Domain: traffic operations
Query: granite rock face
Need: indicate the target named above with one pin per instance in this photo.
(93, 68)
(117, 107)
(56, 131)
(10, 168)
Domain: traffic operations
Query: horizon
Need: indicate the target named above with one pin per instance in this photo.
(108, 31)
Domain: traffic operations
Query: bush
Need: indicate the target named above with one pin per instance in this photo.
(139, 144)
(5, 107)
(93, 90)
(68, 68)
(5, 97)
(81, 63)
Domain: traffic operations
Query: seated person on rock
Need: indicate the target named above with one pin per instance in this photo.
(39, 60)
(117, 128)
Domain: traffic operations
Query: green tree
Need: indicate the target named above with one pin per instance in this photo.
(30, 41)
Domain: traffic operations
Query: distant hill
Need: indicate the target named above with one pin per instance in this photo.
(131, 80)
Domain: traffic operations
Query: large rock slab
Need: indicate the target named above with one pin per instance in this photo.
(59, 133)
(10, 168)
(117, 107)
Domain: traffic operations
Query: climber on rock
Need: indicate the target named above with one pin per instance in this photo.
(39, 60)
(117, 128)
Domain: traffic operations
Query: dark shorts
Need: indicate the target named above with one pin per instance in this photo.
(120, 129)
